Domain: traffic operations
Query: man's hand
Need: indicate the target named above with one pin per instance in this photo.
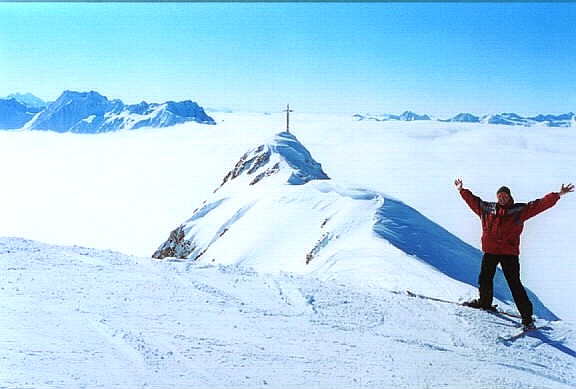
(458, 183)
(566, 189)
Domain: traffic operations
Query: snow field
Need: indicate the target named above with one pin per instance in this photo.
(85, 317)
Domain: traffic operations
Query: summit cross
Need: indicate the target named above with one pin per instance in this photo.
(288, 110)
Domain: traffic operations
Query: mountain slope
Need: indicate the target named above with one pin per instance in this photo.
(264, 217)
(14, 114)
(84, 317)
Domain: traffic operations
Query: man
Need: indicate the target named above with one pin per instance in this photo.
(502, 224)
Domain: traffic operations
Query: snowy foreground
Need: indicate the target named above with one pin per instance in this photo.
(279, 285)
(82, 317)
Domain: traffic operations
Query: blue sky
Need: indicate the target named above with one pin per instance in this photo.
(436, 58)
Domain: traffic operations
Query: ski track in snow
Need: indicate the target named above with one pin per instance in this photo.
(78, 317)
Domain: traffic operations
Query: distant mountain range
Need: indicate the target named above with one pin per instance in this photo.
(90, 112)
(509, 119)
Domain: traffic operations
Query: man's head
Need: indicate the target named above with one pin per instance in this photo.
(504, 195)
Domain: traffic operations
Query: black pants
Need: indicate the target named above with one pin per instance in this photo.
(511, 268)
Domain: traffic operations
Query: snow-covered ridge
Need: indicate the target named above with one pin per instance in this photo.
(90, 112)
(509, 119)
(319, 226)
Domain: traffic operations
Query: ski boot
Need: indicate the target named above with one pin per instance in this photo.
(476, 303)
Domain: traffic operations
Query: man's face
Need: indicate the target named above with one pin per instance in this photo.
(503, 198)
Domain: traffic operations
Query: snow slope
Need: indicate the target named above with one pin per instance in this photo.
(80, 317)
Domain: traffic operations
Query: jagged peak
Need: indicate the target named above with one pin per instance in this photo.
(75, 95)
(282, 154)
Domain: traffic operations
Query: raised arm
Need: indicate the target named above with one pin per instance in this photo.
(533, 208)
(474, 202)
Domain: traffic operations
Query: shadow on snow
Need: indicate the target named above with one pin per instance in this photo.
(551, 342)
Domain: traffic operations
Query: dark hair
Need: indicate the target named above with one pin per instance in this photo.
(504, 189)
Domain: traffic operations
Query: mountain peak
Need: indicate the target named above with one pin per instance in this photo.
(28, 99)
(409, 116)
(283, 156)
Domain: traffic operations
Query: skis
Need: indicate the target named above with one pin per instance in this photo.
(504, 339)
(523, 332)
(495, 311)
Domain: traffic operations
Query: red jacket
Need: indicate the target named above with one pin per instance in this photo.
(502, 226)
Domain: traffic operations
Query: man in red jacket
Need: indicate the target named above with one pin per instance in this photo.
(502, 224)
